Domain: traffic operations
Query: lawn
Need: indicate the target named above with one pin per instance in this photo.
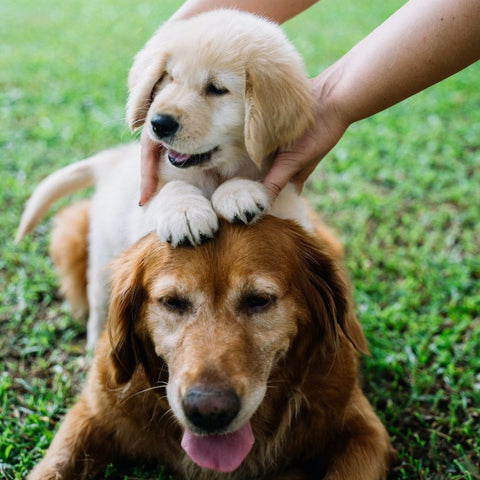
(402, 189)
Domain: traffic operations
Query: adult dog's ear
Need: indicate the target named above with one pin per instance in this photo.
(147, 70)
(279, 103)
(328, 294)
(126, 301)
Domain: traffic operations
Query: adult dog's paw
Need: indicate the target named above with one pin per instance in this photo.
(240, 200)
(184, 215)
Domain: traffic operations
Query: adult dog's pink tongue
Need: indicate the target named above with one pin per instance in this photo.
(222, 453)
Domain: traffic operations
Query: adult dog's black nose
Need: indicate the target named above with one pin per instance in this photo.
(164, 126)
(211, 408)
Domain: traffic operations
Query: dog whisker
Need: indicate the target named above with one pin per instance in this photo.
(145, 390)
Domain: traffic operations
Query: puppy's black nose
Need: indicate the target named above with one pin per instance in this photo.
(164, 126)
(211, 408)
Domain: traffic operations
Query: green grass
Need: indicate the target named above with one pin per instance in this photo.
(402, 189)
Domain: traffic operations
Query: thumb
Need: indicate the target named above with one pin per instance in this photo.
(150, 156)
(284, 169)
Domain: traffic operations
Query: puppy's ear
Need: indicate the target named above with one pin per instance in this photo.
(278, 105)
(147, 70)
(328, 294)
(126, 300)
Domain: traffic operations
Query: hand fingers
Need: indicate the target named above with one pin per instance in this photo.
(293, 165)
(297, 163)
(150, 156)
(283, 169)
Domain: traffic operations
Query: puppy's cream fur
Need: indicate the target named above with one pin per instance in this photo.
(265, 104)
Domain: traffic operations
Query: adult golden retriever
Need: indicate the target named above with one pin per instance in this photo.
(233, 360)
(221, 91)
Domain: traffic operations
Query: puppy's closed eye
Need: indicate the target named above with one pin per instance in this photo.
(215, 90)
(161, 82)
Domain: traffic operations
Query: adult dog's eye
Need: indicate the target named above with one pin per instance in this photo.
(175, 304)
(256, 303)
(213, 89)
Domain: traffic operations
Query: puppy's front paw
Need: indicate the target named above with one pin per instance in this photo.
(240, 200)
(185, 216)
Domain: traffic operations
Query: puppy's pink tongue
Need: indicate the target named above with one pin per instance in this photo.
(178, 157)
(222, 453)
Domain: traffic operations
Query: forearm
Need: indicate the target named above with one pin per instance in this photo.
(422, 43)
(275, 10)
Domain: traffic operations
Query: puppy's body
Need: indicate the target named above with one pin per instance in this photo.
(117, 222)
(221, 92)
(263, 311)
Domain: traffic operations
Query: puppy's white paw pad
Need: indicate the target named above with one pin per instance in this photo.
(184, 215)
(188, 226)
(240, 200)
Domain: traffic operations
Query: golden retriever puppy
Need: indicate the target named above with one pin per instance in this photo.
(221, 91)
(233, 360)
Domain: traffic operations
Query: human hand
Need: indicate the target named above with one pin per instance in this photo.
(296, 163)
(150, 158)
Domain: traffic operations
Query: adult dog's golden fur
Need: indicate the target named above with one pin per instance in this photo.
(69, 252)
(265, 310)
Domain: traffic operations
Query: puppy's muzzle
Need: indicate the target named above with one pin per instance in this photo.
(211, 408)
(164, 126)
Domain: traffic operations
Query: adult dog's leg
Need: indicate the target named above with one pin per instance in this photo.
(69, 252)
(77, 448)
(364, 450)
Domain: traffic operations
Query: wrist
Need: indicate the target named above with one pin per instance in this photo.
(330, 108)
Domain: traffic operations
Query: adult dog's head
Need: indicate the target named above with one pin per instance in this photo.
(218, 324)
(217, 86)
